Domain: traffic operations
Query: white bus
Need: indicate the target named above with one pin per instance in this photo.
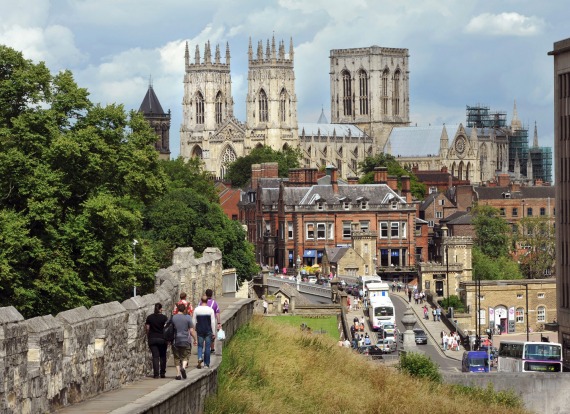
(376, 290)
(520, 356)
(364, 281)
(381, 310)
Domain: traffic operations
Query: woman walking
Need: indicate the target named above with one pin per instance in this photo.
(154, 327)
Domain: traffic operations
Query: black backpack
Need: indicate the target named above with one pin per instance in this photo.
(169, 331)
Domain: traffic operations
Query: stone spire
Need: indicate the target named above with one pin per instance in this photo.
(250, 51)
(281, 50)
(505, 157)
(443, 142)
(473, 136)
(186, 55)
(291, 49)
(260, 50)
(207, 53)
(529, 172)
(535, 139)
(267, 51)
(228, 52)
(197, 55)
(517, 167)
(516, 124)
(217, 54)
(273, 50)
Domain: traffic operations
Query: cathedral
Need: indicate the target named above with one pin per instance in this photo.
(369, 96)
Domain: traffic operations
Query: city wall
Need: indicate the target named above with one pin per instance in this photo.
(49, 361)
(540, 392)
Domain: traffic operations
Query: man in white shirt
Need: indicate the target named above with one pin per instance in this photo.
(205, 325)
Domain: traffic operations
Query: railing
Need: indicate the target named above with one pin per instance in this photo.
(304, 287)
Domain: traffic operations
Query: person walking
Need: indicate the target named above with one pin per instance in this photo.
(185, 302)
(265, 306)
(214, 305)
(182, 346)
(286, 306)
(205, 321)
(154, 328)
(438, 313)
(434, 313)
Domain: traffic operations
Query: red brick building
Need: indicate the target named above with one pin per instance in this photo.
(301, 216)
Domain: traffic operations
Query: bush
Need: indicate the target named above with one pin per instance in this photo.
(420, 366)
(454, 302)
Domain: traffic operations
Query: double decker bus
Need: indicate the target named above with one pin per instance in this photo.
(521, 356)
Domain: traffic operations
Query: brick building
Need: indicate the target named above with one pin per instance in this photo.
(301, 216)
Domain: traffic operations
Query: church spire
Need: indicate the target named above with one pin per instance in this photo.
(197, 55)
(291, 49)
(260, 50)
(515, 123)
(529, 169)
(207, 53)
(535, 139)
(228, 52)
(517, 167)
(186, 55)
(217, 54)
(250, 51)
(281, 50)
(273, 50)
(267, 51)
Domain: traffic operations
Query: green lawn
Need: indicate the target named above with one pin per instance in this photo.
(327, 323)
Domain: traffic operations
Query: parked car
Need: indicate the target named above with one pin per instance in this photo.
(387, 345)
(421, 337)
(371, 350)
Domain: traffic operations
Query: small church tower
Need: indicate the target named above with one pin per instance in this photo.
(159, 121)
(271, 103)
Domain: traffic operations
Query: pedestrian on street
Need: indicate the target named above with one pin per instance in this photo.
(438, 313)
(214, 305)
(409, 295)
(434, 313)
(182, 345)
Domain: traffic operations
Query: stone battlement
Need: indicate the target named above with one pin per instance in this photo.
(50, 362)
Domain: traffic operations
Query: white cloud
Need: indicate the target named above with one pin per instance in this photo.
(505, 24)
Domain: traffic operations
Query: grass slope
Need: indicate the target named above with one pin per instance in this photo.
(269, 367)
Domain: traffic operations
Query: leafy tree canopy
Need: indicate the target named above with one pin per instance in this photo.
(73, 179)
(492, 231)
(417, 188)
(535, 242)
(239, 172)
(494, 268)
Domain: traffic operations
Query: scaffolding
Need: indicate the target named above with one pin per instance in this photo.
(541, 159)
(518, 148)
(482, 117)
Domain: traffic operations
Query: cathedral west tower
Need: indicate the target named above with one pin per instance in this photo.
(271, 104)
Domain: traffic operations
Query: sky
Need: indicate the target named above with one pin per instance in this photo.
(462, 52)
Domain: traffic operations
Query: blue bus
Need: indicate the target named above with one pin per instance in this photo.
(475, 361)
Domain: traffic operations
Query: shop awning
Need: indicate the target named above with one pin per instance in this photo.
(310, 253)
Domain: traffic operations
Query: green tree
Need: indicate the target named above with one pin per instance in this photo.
(417, 188)
(492, 231)
(74, 178)
(420, 366)
(494, 268)
(189, 214)
(239, 171)
(535, 241)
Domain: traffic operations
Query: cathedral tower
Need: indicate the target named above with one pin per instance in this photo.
(158, 120)
(271, 103)
(370, 89)
(209, 129)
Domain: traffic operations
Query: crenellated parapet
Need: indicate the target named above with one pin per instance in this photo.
(49, 362)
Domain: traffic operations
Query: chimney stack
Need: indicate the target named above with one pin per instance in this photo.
(380, 175)
(406, 188)
(393, 182)
(352, 180)
(255, 174)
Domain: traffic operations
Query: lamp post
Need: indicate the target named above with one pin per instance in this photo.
(526, 310)
(135, 242)
(447, 271)
(298, 270)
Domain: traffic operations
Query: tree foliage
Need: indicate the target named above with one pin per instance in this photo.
(535, 242)
(494, 268)
(417, 188)
(420, 366)
(492, 231)
(239, 171)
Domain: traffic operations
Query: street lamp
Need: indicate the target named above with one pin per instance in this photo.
(135, 242)
(447, 271)
(298, 271)
(526, 311)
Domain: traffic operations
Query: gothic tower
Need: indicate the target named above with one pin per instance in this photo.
(271, 103)
(370, 88)
(209, 130)
(158, 120)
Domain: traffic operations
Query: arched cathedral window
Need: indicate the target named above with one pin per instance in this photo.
(385, 75)
(218, 108)
(199, 108)
(228, 157)
(347, 93)
(283, 105)
(396, 94)
(363, 84)
(263, 117)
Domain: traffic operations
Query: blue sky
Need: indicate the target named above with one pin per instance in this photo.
(461, 52)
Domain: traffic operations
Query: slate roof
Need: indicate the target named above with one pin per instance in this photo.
(428, 201)
(459, 217)
(269, 195)
(495, 193)
(150, 103)
(418, 141)
(334, 254)
(373, 193)
(433, 176)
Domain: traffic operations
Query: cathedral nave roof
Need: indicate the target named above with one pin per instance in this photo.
(418, 141)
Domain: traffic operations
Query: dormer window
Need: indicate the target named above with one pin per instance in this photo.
(346, 205)
(394, 205)
(320, 205)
